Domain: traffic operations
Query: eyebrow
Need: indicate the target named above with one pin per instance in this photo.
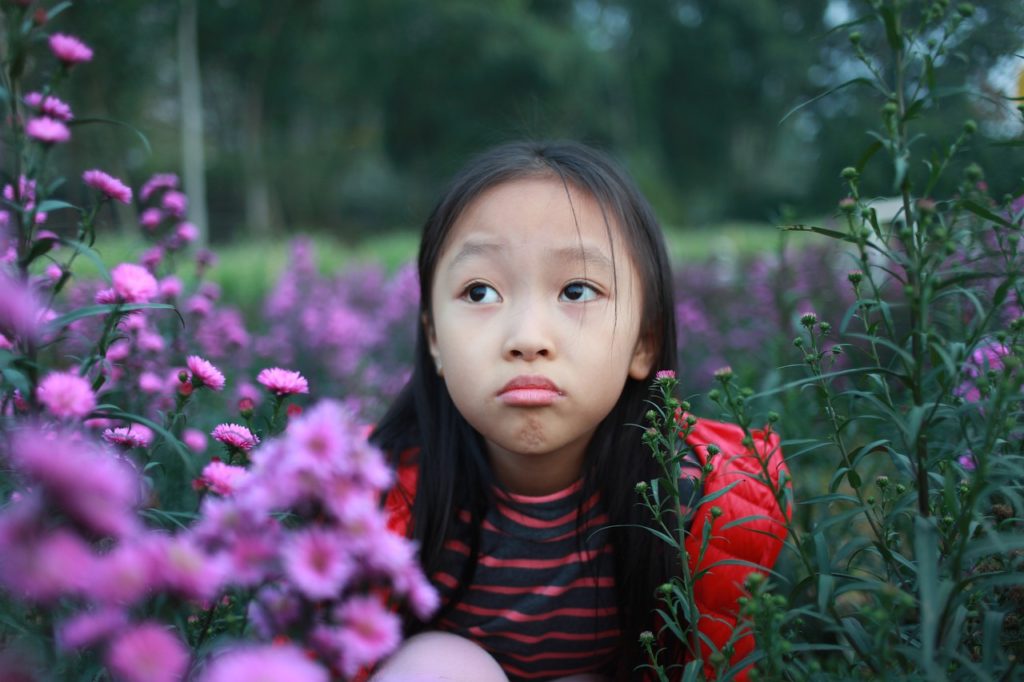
(588, 255)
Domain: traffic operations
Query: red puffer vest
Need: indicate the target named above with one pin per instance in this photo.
(750, 528)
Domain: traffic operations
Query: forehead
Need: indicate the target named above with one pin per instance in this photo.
(539, 211)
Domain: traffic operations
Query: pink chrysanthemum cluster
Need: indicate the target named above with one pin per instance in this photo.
(235, 436)
(47, 130)
(132, 284)
(282, 381)
(69, 49)
(109, 185)
(324, 472)
(204, 373)
(164, 218)
(50, 106)
(65, 394)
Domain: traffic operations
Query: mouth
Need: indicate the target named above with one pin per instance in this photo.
(530, 391)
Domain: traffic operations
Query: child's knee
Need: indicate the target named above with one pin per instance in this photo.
(439, 657)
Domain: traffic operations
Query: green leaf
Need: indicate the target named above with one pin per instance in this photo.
(51, 205)
(855, 81)
(979, 210)
(87, 251)
(926, 555)
(102, 309)
(111, 121)
(872, 149)
(186, 457)
(57, 9)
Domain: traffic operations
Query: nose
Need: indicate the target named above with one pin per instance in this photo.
(529, 335)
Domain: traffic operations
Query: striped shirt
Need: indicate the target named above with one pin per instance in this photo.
(543, 602)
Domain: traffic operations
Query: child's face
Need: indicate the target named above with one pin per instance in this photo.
(534, 327)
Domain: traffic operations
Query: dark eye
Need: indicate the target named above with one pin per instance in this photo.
(481, 293)
(578, 291)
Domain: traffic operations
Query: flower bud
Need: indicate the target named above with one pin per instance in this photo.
(691, 420)
(849, 173)
(965, 9)
(773, 417)
(855, 38)
(714, 395)
(40, 17)
(716, 512)
(926, 206)
(798, 342)
(847, 204)
(651, 415)
(724, 374)
(754, 580)
(641, 487)
(665, 588)
(808, 320)
(974, 172)
(900, 488)
(293, 410)
(890, 108)
(685, 406)
(246, 407)
(185, 388)
(825, 327)
(712, 449)
(970, 126)
(646, 638)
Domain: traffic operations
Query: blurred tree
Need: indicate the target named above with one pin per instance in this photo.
(348, 115)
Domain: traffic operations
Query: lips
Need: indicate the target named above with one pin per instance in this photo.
(530, 391)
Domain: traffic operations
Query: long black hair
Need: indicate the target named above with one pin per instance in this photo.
(454, 473)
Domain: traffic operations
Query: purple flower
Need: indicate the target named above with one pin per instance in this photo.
(316, 563)
(69, 49)
(156, 183)
(92, 486)
(108, 185)
(47, 130)
(369, 632)
(284, 662)
(49, 106)
(128, 437)
(235, 436)
(967, 461)
(148, 652)
(195, 440)
(66, 394)
(175, 203)
(205, 372)
(20, 310)
(223, 478)
(282, 381)
(132, 284)
(90, 627)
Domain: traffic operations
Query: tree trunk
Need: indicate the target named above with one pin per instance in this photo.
(192, 153)
(258, 209)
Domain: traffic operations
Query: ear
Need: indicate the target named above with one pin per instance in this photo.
(642, 363)
(428, 329)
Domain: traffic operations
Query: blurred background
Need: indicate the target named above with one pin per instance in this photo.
(345, 118)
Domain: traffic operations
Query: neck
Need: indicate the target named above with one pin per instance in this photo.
(538, 474)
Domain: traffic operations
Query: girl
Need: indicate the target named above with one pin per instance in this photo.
(546, 308)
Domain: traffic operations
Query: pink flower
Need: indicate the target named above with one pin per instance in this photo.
(665, 374)
(185, 569)
(128, 437)
(69, 49)
(967, 461)
(150, 218)
(206, 373)
(35, 567)
(49, 106)
(223, 478)
(369, 632)
(282, 381)
(108, 185)
(195, 440)
(235, 436)
(66, 394)
(151, 257)
(20, 310)
(317, 563)
(47, 130)
(148, 652)
(150, 383)
(263, 664)
(158, 182)
(132, 284)
(90, 627)
(171, 287)
(175, 203)
(92, 486)
(187, 232)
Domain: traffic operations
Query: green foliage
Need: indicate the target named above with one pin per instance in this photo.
(906, 545)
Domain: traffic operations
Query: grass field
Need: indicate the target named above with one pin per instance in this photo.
(247, 269)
